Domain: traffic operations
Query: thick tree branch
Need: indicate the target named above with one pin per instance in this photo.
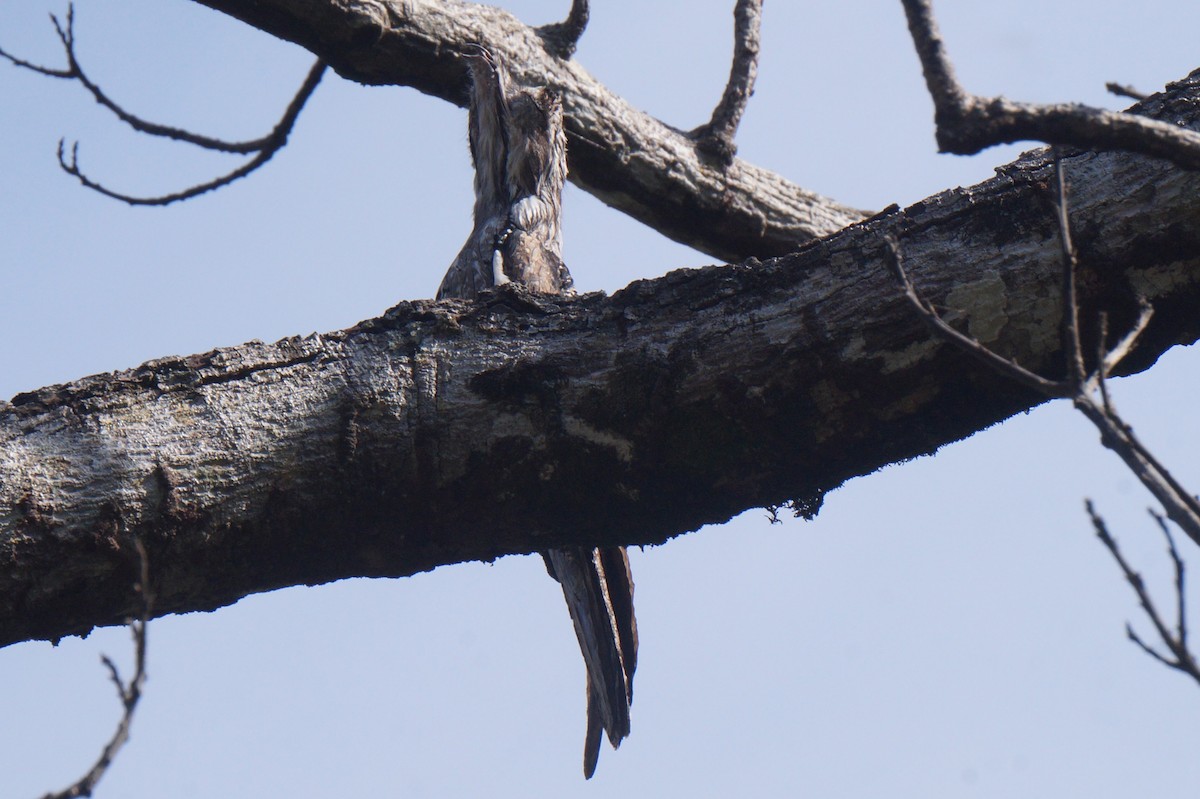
(628, 159)
(449, 432)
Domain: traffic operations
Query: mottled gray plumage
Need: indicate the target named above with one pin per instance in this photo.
(520, 152)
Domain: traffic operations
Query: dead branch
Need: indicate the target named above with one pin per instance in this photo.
(129, 693)
(1080, 386)
(1181, 658)
(715, 137)
(264, 147)
(968, 123)
(1125, 90)
(691, 365)
(1000, 364)
(563, 37)
(625, 157)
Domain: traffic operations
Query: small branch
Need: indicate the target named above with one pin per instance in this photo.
(264, 147)
(1080, 387)
(1005, 367)
(562, 38)
(715, 137)
(1180, 506)
(129, 693)
(1123, 90)
(1070, 333)
(967, 123)
(1123, 347)
(1181, 658)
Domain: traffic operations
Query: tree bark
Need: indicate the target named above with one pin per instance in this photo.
(623, 156)
(446, 432)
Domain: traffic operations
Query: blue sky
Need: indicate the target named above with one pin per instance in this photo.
(946, 627)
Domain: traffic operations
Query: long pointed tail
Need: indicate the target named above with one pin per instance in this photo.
(598, 587)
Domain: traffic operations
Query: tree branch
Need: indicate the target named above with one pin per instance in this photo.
(562, 37)
(967, 123)
(264, 147)
(1124, 90)
(715, 137)
(1181, 658)
(130, 694)
(1079, 385)
(626, 158)
(590, 421)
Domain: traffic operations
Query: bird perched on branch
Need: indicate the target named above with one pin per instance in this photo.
(520, 152)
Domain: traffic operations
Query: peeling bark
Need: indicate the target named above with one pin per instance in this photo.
(446, 432)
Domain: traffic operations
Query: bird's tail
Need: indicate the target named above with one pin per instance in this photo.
(598, 587)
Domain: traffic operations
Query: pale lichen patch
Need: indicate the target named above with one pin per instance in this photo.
(984, 301)
(574, 426)
(1160, 280)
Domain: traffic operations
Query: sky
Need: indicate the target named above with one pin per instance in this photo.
(947, 627)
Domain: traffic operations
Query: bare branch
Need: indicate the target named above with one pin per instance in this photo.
(562, 38)
(632, 162)
(1123, 347)
(1181, 507)
(715, 137)
(1180, 580)
(1115, 434)
(1181, 658)
(264, 147)
(967, 123)
(1007, 368)
(1124, 90)
(1070, 333)
(129, 693)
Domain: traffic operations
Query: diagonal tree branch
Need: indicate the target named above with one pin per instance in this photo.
(623, 156)
(967, 123)
(589, 421)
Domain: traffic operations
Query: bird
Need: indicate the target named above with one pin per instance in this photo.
(519, 148)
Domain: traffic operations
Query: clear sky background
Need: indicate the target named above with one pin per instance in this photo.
(948, 627)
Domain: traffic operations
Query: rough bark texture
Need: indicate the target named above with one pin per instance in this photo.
(445, 432)
(628, 159)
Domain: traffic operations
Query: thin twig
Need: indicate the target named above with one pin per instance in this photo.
(1181, 658)
(1180, 580)
(968, 123)
(1122, 348)
(264, 147)
(1004, 366)
(129, 693)
(1125, 90)
(715, 137)
(1070, 333)
(562, 38)
(1181, 507)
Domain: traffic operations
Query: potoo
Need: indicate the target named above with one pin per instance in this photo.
(519, 149)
